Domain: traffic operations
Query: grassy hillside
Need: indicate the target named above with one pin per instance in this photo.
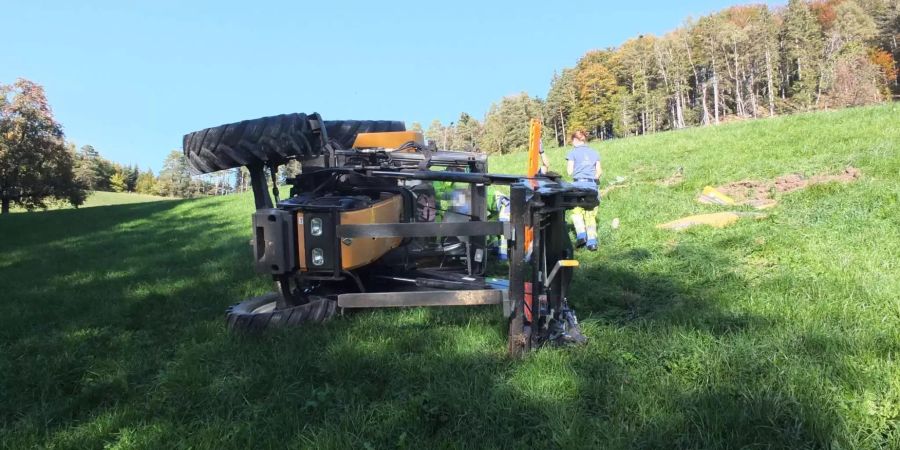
(782, 332)
(98, 198)
(101, 198)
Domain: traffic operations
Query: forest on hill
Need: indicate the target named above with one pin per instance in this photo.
(744, 62)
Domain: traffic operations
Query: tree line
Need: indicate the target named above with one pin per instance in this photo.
(744, 62)
(38, 167)
(96, 173)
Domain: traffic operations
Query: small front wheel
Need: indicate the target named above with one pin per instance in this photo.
(260, 313)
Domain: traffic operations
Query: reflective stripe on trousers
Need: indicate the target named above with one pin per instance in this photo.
(585, 221)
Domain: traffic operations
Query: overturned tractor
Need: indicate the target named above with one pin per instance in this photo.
(361, 227)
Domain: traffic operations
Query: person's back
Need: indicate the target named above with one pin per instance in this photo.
(584, 163)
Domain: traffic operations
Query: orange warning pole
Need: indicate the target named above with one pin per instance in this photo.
(534, 164)
(534, 148)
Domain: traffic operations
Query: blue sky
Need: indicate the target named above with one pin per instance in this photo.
(132, 77)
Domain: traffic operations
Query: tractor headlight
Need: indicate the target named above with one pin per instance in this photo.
(318, 256)
(315, 226)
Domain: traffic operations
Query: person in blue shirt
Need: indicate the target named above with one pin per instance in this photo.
(583, 164)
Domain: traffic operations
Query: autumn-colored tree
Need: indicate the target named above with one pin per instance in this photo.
(846, 29)
(745, 61)
(145, 183)
(886, 14)
(35, 165)
(886, 64)
(852, 83)
(824, 12)
(596, 91)
(117, 182)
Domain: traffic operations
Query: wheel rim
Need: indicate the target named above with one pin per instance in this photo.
(265, 308)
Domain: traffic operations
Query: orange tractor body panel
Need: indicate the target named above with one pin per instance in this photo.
(359, 251)
(387, 140)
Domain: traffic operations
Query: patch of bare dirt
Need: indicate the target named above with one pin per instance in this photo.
(755, 192)
(673, 180)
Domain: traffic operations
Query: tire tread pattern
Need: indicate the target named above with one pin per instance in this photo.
(273, 140)
(241, 317)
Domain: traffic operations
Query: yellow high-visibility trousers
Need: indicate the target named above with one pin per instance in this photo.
(585, 222)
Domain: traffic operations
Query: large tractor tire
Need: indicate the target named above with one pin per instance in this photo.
(272, 140)
(259, 313)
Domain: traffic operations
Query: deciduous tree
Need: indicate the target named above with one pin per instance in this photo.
(175, 178)
(801, 38)
(596, 94)
(146, 183)
(506, 125)
(437, 133)
(561, 102)
(35, 165)
(117, 182)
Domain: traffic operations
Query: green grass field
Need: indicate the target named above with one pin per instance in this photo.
(98, 198)
(102, 198)
(782, 332)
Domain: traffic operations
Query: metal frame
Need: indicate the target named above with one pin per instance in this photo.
(423, 229)
(422, 298)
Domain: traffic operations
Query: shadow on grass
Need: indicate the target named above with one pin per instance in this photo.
(95, 300)
(111, 333)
